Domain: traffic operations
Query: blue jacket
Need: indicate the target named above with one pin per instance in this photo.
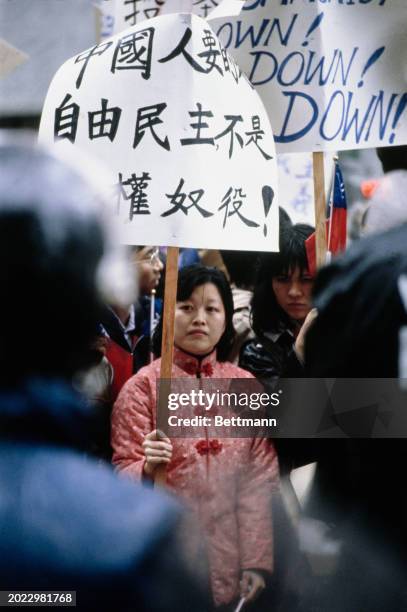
(70, 523)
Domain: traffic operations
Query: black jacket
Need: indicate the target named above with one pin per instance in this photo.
(268, 360)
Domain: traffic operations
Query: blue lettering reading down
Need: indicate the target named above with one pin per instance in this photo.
(301, 67)
(342, 117)
(256, 36)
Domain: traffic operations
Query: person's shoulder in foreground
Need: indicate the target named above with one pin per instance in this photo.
(68, 523)
(72, 524)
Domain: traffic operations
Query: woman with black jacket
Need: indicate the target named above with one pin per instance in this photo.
(281, 302)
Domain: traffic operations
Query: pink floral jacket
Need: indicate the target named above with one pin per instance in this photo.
(227, 482)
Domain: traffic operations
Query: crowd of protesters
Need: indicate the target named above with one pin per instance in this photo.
(79, 442)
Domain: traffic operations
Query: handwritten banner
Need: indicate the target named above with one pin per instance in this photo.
(330, 72)
(181, 129)
(132, 12)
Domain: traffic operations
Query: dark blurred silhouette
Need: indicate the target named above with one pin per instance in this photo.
(392, 158)
(359, 487)
(68, 523)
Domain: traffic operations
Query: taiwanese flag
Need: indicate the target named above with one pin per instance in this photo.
(335, 225)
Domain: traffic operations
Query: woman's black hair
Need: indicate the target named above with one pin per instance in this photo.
(267, 315)
(194, 276)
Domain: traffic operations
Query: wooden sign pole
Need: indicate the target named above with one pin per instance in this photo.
(167, 346)
(320, 208)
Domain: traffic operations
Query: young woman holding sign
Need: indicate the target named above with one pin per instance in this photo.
(226, 482)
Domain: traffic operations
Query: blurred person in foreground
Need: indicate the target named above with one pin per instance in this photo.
(387, 206)
(68, 523)
(384, 204)
(359, 487)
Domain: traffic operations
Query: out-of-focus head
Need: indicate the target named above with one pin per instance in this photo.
(392, 158)
(388, 204)
(282, 291)
(149, 267)
(214, 286)
(241, 267)
(55, 262)
(360, 311)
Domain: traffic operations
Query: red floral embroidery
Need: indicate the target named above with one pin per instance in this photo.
(192, 368)
(207, 369)
(215, 446)
(204, 447)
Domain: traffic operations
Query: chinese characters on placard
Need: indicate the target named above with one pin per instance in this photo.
(134, 52)
(135, 10)
(140, 191)
(204, 6)
(135, 7)
(134, 190)
(135, 193)
(104, 123)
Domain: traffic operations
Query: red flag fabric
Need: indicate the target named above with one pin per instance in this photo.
(335, 225)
